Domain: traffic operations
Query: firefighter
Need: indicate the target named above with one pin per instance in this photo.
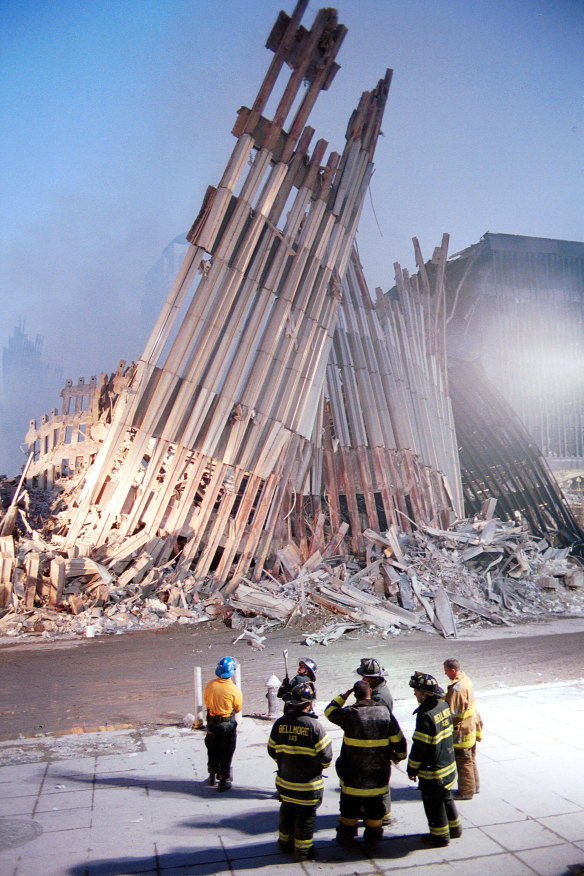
(467, 727)
(223, 700)
(372, 739)
(302, 749)
(306, 672)
(374, 674)
(431, 762)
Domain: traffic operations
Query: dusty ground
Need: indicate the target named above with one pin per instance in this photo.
(146, 677)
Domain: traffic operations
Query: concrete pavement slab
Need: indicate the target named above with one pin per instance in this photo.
(125, 802)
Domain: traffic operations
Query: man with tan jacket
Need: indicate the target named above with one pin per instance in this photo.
(467, 725)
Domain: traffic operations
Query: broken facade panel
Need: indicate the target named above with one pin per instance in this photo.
(279, 412)
(66, 442)
(499, 458)
(516, 304)
(223, 402)
(389, 452)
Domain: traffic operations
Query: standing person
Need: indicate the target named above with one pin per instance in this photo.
(372, 739)
(223, 700)
(374, 674)
(467, 726)
(306, 672)
(431, 762)
(302, 749)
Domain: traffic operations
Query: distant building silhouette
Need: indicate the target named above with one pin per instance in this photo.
(159, 280)
(28, 383)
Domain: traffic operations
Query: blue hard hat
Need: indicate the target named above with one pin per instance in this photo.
(225, 667)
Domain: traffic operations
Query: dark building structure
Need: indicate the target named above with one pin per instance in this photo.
(516, 306)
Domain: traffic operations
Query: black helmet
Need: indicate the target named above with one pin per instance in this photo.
(302, 693)
(310, 667)
(371, 668)
(426, 684)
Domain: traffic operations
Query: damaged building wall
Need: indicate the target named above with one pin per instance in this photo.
(386, 454)
(223, 401)
(517, 304)
(278, 412)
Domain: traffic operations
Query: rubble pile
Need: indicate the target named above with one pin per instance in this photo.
(481, 570)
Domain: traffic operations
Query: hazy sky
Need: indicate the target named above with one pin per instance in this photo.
(116, 115)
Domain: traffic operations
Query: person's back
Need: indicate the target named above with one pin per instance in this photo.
(223, 700)
(363, 767)
(372, 738)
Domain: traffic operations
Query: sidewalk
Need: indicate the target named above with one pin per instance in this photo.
(128, 801)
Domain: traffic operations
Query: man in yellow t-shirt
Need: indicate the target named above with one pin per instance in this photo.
(223, 700)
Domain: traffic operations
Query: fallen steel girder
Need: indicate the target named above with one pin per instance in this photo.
(224, 397)
(499, 458)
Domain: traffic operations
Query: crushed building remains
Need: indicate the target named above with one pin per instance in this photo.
(282, 423)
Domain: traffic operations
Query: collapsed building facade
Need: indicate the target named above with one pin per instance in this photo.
(277, 401)
(516, 306)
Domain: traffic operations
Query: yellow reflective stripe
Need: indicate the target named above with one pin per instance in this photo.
(338, 701)
(397, 738)
(468, 740)
(366, 743)
(363, 792)
(373, 822)
(322, 743)
(436, 774)
(468, 714)
(349, 822)
(315, 801)
(303, 843)
(293, 749)
(422, 737)
(414, 764)
(444, 734)
(315, 785)
(439, 831)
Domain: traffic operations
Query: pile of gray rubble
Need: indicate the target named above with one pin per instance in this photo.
(480, 571)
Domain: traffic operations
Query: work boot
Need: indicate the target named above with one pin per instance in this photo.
(387, 819)
(347, 841)
(212, 779)
(455, 832)
(224, 785)
(304, 855)
(428, 839)
(286, 846)
(458, 796)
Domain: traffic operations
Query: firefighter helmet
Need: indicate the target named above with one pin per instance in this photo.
(310, 667)
(225, 667)
(371, 668)
(426, 684)
(302, 693)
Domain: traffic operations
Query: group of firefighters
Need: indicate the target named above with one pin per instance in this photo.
(448, 727)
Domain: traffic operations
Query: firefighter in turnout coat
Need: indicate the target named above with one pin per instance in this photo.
(431, 762)
(467, 728)
(302, 749)
(372, 739)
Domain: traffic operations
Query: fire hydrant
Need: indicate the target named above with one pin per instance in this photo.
(273, 683)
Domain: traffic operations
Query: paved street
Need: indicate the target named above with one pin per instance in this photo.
(146, 678)
(135, 801)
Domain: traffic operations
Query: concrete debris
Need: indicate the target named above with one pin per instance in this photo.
(285, 447)
(479, 571)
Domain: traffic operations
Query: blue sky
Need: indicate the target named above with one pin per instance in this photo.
(117, 115)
